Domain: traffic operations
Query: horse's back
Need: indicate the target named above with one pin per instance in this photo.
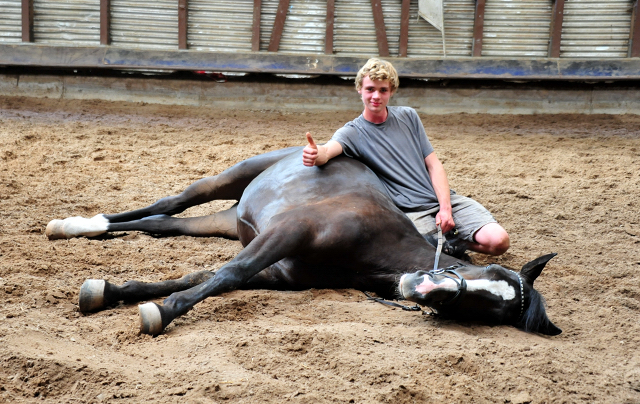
(342, 187)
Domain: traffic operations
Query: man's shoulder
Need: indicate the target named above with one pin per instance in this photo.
(403, 111)
(348, 131)
(353, 125)
(349, 127)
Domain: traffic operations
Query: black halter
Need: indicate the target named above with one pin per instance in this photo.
(454, 300)
(461, 282)
(520, 283)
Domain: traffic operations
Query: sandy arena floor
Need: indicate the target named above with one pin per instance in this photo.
(565, 184)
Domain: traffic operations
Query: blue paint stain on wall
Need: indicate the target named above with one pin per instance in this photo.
(16, 55)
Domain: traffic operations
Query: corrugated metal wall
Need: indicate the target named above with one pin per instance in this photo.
(144, 24)
(391, 10)
(596, 29)
(513, 28)
(425, 40)
(304, 28)
(267, 19)
(517, 28)
(10, 21)
(67, 22)
(220, 25)
(354, 30)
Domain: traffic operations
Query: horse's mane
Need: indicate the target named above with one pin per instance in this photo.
(535, 317)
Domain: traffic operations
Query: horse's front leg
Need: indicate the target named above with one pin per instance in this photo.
(268, 248)
(96, 294)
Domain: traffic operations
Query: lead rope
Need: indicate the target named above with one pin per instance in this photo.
(436, 261)
(392, 304)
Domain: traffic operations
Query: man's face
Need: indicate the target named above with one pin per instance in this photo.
(375, 95)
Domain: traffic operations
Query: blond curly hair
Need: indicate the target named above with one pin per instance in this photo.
(378, 69)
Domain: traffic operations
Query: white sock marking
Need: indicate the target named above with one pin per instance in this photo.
(81, 226)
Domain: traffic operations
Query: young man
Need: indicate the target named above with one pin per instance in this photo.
(392, 142)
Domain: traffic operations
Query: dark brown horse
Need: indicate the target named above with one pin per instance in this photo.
(311, 227)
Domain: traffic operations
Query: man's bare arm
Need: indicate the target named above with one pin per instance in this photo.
(443, 192)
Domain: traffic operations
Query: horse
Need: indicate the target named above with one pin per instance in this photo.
(302, 227)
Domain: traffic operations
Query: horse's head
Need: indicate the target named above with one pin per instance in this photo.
(491, 294)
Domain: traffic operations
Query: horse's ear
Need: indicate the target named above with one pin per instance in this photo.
(531, 270)
(548, 328)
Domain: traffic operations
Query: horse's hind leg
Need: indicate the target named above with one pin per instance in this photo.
(219, 224)
(229, 184)
(207, 189)
(201, 191)
(96, 294)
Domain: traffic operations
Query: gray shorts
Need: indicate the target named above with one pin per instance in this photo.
(469, 216)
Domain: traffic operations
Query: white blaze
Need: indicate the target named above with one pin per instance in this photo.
(498, 288)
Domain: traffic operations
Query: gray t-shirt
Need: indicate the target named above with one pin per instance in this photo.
(395, 150)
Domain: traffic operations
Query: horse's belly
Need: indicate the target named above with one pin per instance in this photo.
(295, 274)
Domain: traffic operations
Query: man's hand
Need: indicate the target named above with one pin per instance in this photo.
(445, 220)
(314, 155)
(310, 152)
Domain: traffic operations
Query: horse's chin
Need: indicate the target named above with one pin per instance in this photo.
(431, 299)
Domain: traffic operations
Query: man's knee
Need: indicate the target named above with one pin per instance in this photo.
(501, 244)
(493, 238)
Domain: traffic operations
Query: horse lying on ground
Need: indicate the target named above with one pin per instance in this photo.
(311, 227)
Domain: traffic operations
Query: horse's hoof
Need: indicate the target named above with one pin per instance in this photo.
(55, 230)
(150, 319)
(92, 295)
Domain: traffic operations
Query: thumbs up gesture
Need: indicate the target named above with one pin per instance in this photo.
(310, 152)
